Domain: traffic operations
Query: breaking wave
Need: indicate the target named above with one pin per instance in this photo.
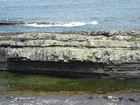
(69, 24)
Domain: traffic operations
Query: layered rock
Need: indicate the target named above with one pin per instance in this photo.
(113, 54)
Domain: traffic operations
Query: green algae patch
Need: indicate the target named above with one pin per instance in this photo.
(34, 83)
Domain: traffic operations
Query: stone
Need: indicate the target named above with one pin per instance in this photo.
(110, 53)
(4, 22)
(98, 55)
(135, 99)
(40, 23)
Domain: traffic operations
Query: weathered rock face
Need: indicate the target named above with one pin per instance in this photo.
(114, 54)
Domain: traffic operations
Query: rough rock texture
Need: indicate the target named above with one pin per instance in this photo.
(109, 53)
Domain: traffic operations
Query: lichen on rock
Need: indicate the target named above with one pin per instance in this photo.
(118, 49)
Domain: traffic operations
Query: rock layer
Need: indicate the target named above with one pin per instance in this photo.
(109, 53)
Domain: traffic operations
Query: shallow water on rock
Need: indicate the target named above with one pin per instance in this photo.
(11, 82)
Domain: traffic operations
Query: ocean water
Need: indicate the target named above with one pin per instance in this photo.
(70, 15)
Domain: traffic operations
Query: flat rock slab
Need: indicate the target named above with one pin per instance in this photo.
(65, 99)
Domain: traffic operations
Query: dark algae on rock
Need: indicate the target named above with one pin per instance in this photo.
(41, 84)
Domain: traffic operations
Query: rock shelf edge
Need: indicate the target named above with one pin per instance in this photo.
(99, 53)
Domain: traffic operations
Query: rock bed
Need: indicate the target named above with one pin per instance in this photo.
(71, 99)
(114, 53)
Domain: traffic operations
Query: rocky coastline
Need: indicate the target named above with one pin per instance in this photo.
(10, 22)
(99, 53)
(7, 22)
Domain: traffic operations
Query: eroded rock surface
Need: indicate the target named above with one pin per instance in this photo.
(114, 54)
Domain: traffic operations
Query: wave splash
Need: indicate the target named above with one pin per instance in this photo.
(69, 24)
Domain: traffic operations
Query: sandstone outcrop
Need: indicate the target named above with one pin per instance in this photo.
(109, 53)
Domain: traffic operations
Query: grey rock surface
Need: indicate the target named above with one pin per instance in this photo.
(65, 99)
(113, 53)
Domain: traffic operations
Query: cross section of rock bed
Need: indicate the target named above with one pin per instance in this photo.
(103, 53)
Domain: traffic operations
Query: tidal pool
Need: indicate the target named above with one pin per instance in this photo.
(13, 82)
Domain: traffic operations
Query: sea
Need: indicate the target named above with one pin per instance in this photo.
(70, 15)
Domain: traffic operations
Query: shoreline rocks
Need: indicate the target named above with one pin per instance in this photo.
(6, 22)
(9, 22)
(109, 53)
(42, 23)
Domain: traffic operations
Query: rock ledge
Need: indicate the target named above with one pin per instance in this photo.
(108, 53)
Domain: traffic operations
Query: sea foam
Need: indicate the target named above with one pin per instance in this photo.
(62, 24)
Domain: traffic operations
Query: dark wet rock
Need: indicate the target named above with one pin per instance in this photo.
(42, 23)
(121, 98)
(105, 96)
(11, 22)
